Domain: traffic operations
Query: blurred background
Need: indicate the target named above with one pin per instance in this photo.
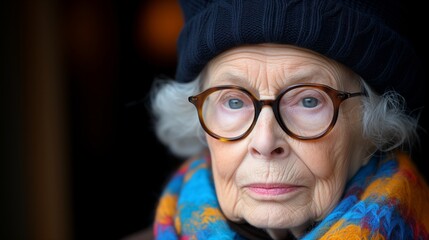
(79, 159)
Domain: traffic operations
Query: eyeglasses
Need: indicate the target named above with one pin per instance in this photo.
(303, 111)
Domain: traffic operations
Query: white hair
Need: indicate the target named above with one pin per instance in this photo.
(175, 119)
(385, 121)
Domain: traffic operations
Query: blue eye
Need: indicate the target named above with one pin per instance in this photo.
(310, 102)
(235, 103)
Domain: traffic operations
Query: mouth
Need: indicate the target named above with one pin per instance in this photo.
(273, 189)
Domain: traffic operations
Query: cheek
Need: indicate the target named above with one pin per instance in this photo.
(332, 155)
(226, 160)
(330, 165)
(321, 159)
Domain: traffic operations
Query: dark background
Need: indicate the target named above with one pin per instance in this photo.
(79, 158)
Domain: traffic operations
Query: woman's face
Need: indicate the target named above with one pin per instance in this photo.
(269, 179)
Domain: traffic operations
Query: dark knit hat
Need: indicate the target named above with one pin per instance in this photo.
(361, 34)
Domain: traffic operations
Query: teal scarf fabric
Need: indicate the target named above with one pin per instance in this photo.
(386, 199)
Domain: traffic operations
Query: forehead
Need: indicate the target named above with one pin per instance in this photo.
(274, 51)
(273, 65)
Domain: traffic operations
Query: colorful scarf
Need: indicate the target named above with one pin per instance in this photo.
(386, 199)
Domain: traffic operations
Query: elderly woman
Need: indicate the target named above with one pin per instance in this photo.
(293, 121)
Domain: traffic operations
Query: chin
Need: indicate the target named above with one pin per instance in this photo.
(274, 217)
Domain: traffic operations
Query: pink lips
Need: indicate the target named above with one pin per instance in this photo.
(271, 189)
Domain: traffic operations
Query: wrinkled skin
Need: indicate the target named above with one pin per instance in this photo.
(269, 179)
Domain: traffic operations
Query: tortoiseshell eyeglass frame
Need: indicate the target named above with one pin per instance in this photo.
(336, 96)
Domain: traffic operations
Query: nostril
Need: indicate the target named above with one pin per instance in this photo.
(255, 152)
(278, 150)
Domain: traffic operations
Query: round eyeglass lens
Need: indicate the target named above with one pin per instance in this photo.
(228, 112)
(306, 111)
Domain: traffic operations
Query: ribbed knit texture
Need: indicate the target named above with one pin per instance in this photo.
(386, 199)
(350, 32)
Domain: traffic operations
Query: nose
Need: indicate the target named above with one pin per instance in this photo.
(268, 140)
